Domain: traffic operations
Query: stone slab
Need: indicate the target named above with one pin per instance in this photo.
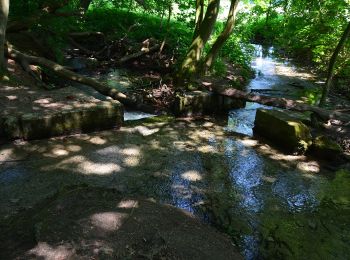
(204, 102)
(96, 116)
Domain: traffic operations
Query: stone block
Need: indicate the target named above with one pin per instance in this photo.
(283, 130)
(203, 102)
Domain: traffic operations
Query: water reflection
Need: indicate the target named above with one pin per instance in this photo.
(186, 193)
(246, 168)
(294, 192)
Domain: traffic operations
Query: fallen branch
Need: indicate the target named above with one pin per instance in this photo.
(324, 114)
(86, 34)
(70, 75)
(137, 54)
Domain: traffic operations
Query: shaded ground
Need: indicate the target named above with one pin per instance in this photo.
(89, 223)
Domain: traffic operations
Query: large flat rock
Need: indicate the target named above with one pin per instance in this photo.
(34, 113)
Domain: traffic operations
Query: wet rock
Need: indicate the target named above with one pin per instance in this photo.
(282, 129)
(203, 102)
(325, 148)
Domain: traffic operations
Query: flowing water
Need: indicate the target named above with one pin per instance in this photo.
(271, 211)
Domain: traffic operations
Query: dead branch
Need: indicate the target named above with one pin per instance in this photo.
(86, 34)
(137, 54)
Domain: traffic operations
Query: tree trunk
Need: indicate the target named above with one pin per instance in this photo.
(199, 16)
(170, 11)
(331, 65)
(280, 103)
(190, 63)
(224, 35)
(4, 11)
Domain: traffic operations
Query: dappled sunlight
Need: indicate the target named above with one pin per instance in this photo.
(145, 131)
(59, 152)
(309, 167)
(128, 204)
(192, 176)
(6, 154)
(45, 251)
(12, 97)
(97, 140)
(83, 165)
(108, 221)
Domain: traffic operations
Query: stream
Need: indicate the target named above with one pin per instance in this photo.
(273, 206)
(271, 211)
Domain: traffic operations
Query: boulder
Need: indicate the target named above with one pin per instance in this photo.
(283, 130)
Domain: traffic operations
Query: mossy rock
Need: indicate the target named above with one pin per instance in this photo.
(283, 130)
(325, 148)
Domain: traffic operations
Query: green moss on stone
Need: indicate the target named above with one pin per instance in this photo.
(283, 130)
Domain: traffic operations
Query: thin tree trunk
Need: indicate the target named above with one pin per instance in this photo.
(4, 11)
(190, 63)
(331, 65)
(170, 10)
(225, 34)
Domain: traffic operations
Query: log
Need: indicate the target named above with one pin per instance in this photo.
(284, 103)
(70, 75)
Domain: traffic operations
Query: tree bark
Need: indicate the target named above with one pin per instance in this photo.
(69, 75)
(199, 17)
(280, 103)
(4, 11)
(331, 65)
(190, 63)
(224, 35)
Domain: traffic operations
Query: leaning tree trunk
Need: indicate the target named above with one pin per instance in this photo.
(224, 35)
(190, 63)
(4, 11)
(331, 65)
